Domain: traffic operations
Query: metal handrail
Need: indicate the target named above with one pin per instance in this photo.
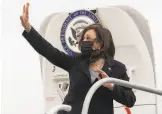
(117, 82)
(58, 108)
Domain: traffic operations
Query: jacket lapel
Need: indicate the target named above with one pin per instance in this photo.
(85, 68)
(107, 68)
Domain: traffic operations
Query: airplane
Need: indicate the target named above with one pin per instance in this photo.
(133, 43)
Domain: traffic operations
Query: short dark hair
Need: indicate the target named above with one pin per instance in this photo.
(104, 37)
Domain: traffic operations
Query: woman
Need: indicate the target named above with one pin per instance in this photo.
(84, 70)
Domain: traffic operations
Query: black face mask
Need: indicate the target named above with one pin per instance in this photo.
(86, 48)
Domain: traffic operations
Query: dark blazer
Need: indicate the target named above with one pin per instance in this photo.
(80, 83)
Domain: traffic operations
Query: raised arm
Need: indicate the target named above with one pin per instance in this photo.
(42, 46)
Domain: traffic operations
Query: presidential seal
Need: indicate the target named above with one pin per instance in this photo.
(72, 28)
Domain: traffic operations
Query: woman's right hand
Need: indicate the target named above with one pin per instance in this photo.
(25, 18)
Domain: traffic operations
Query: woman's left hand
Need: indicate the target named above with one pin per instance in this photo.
(104, 75)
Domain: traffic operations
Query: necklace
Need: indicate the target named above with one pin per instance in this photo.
(97, 64)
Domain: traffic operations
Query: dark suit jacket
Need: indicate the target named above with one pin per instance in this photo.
(80, 83)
